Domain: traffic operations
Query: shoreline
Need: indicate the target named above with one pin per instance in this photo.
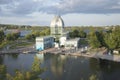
(24, 50)
(91, 54)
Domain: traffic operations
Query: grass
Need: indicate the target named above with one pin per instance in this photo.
(3, 44)
(21, 44)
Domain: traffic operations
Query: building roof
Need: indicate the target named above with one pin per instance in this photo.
(75, 39)
(43, 37)
(57, 20)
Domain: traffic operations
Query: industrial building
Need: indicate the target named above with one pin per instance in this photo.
(45, 42)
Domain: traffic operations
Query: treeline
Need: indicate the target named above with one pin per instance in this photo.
(68, 28)
(8, 26)
(22, 27)
(10, 37)
(109, 39)
(13, 36)
(77, 33)
(38, 33)
(4, 39)
(97, 38)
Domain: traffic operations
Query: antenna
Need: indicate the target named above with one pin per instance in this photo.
(58, 12)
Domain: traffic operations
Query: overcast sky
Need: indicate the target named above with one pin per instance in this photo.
(73, 12)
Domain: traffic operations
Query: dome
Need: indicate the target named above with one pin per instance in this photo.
(57, 21)
(57, 26)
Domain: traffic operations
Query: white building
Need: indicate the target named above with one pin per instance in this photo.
(63, 38)
(72, 43)
(43, 43)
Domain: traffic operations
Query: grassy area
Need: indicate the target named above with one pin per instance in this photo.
(21, 44)
(4, 44)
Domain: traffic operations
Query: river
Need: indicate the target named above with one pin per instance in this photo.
(64, 67)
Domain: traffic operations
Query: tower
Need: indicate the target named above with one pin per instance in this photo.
(57, 27)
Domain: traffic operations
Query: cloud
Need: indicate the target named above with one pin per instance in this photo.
(5, 1)
(25, 7)
(89, 6)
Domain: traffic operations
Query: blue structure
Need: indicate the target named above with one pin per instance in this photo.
(39, 46)
(43, 43)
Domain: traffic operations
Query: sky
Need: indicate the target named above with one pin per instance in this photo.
(73, 12)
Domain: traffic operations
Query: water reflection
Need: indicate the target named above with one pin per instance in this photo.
(14, 56)
(57, 65)
(40, 56)
(1, 59)
(94, 64)
(64, 67)
(21, 62)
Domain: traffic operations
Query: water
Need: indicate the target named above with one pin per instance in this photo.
(25, 32)
(22, 32)
(62, 67)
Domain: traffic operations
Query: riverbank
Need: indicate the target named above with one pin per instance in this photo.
(92, 54)
(23, 49)
(18, 46)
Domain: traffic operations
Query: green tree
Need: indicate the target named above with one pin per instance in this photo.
(47, 31)
(71, 34)
(116, 32)
(74, 33)
(36, 33)
(2, 72)
(82, 34)
(9, 77)
(19, 76)
(9, 37)
(12, 36)
(111, 41)
(42, 33)
(93, 40)
(16, 35)
(2, 35)
(29, 75)
(30, 37)
(100, 37)
(93, 77)
(36, 65)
